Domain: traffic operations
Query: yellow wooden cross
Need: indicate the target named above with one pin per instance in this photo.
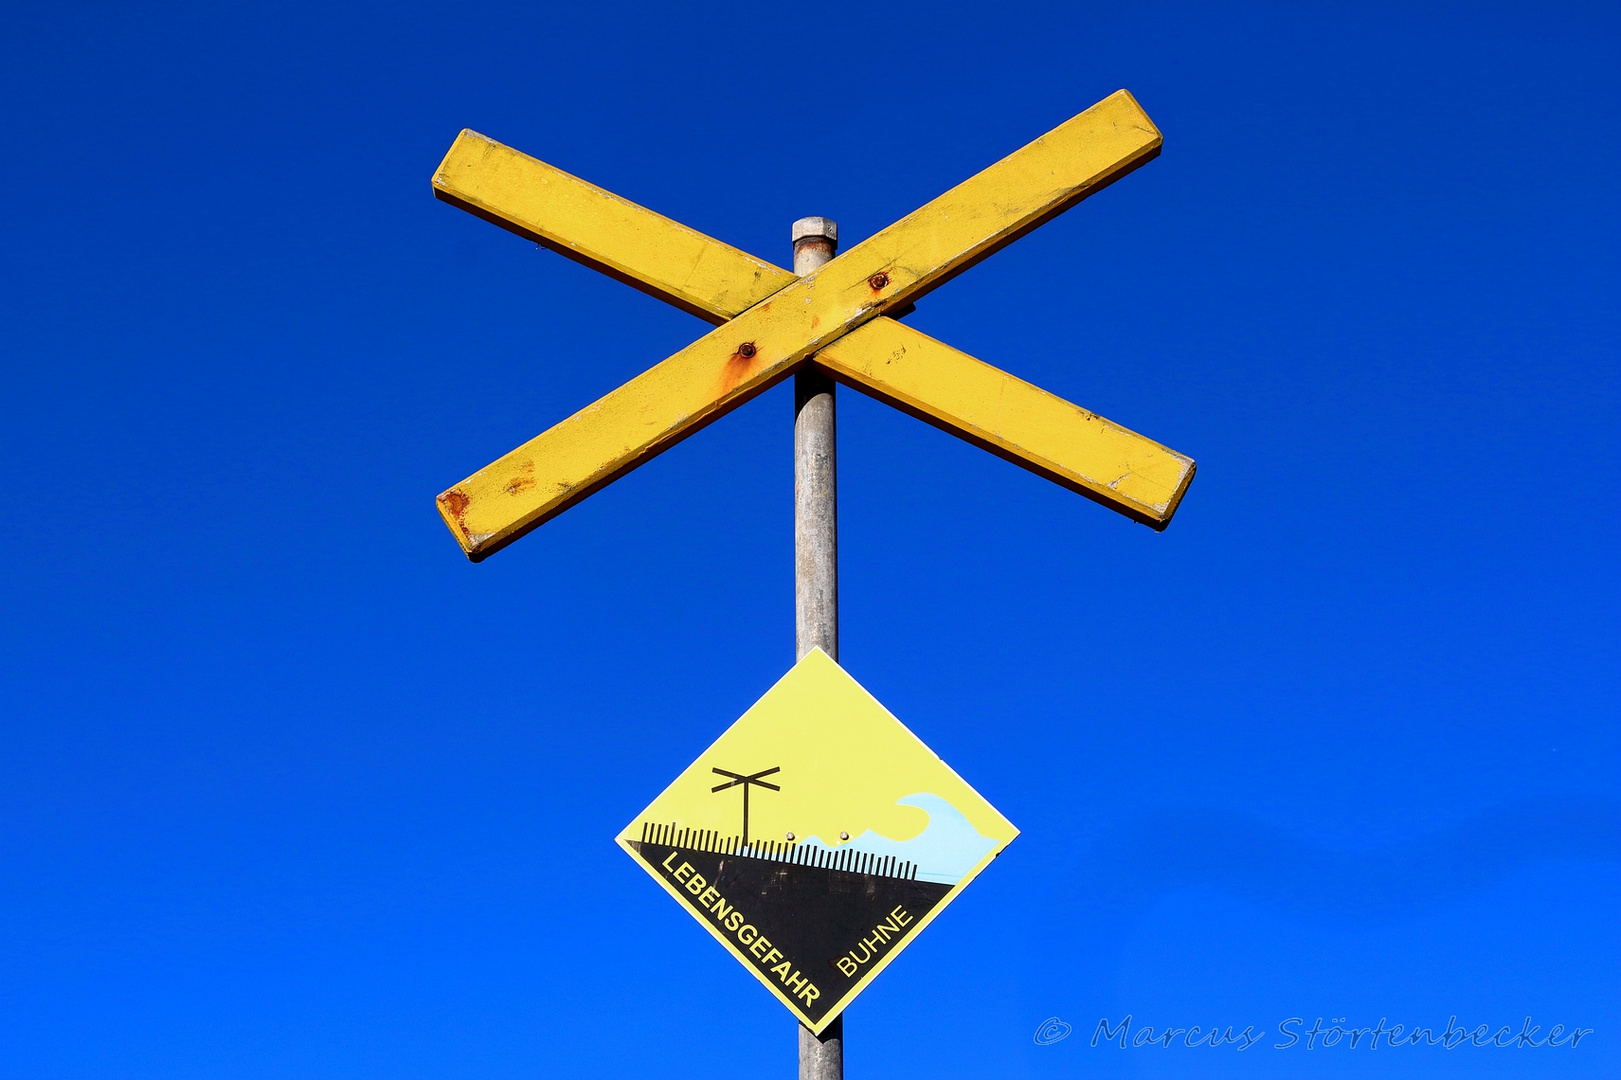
(771, 323)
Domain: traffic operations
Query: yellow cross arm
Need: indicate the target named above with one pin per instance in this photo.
(775, 336)
(907, 369)
(705, 277)
(1013, 419)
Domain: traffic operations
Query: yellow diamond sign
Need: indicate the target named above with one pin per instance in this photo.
(816, 838)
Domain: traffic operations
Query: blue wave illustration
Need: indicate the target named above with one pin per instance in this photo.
(945, 851)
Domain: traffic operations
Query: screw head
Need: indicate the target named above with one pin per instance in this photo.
(746, 350)
(790, 836)
(878, 280)
(844, 836)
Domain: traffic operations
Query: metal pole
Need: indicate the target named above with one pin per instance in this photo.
(816, 559)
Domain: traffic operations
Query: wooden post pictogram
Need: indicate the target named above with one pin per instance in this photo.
(746, 782)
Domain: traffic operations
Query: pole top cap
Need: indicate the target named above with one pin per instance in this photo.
(816, 228)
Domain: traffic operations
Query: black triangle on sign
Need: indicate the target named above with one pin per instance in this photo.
(811, 928)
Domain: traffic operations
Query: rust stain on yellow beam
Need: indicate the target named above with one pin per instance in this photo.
(777, 334)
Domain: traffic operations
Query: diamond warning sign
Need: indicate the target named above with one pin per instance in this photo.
(816, 838)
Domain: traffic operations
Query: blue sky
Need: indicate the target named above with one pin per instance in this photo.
(290, 789)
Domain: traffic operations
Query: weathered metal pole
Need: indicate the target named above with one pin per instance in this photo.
(816, 511)
(816, 559)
